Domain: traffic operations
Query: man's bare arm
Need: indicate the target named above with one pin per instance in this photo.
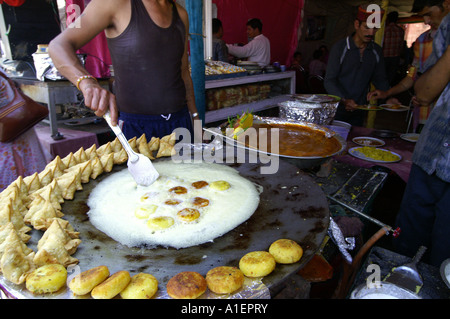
(62, 49)
(430, 85)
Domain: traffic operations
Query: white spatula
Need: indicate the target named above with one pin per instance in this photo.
(139, 166)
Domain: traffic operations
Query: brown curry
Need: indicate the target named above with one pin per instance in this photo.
(294, 140)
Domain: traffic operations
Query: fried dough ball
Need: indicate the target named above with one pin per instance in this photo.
(186, 285)
(224, 279)
(257, 264)
(286, 251)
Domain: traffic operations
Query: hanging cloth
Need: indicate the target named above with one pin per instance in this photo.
(97, 54)
(13, 3)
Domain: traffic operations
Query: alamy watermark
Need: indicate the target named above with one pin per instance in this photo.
(374, 20)
(252, 146)
(374, 279)
(73, 12)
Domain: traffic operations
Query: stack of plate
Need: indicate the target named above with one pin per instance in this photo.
(250, 66)
(271, 69)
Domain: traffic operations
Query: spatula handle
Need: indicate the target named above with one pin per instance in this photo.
(419, 254)
(122, 139)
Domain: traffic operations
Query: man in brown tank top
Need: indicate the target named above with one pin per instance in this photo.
(123, 22)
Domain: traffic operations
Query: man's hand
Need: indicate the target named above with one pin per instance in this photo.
(393, 100)
(377, 94)
(99, 99)
(350, 105)
(415, 102)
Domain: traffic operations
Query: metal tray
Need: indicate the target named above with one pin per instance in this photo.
(368, 139)
(299, 161)
(291, 206)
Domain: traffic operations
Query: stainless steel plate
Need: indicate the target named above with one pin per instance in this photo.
(445, 271)
(354, 151)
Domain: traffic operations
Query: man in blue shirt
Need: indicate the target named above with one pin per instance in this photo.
(353, 64)
(424, 215)
(220, 50)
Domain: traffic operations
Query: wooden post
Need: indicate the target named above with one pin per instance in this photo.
(379, 36)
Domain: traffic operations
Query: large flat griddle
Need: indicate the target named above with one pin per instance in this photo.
(291, 206)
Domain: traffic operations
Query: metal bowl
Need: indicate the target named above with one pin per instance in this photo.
(383, 291)
(445, 271)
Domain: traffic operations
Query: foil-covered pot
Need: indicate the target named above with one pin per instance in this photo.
(46, 70)
(314, 108)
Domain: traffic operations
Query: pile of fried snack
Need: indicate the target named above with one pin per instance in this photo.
(35, 202)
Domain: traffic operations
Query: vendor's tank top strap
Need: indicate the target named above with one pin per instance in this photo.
(147, 64)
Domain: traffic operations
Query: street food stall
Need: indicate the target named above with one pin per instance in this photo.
(299, 166)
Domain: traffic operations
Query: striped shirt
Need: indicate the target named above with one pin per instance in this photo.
(394, 37)
(422, 49)
(432, 152)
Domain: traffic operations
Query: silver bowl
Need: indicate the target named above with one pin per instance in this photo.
(383, 291)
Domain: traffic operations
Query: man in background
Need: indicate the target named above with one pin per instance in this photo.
(432, 12)
(424, 217)
(220, 50)
(354, 63)
(258, 49)
(393, 45)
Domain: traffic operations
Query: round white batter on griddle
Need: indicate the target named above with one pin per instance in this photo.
(122, 209)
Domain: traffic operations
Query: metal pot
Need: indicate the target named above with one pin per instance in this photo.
(383, 291)
(314, 108)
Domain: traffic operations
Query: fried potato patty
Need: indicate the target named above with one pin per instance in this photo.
(224, 279)
(186, 285)
(257, 264)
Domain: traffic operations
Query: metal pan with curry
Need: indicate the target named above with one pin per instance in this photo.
(290, 138)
